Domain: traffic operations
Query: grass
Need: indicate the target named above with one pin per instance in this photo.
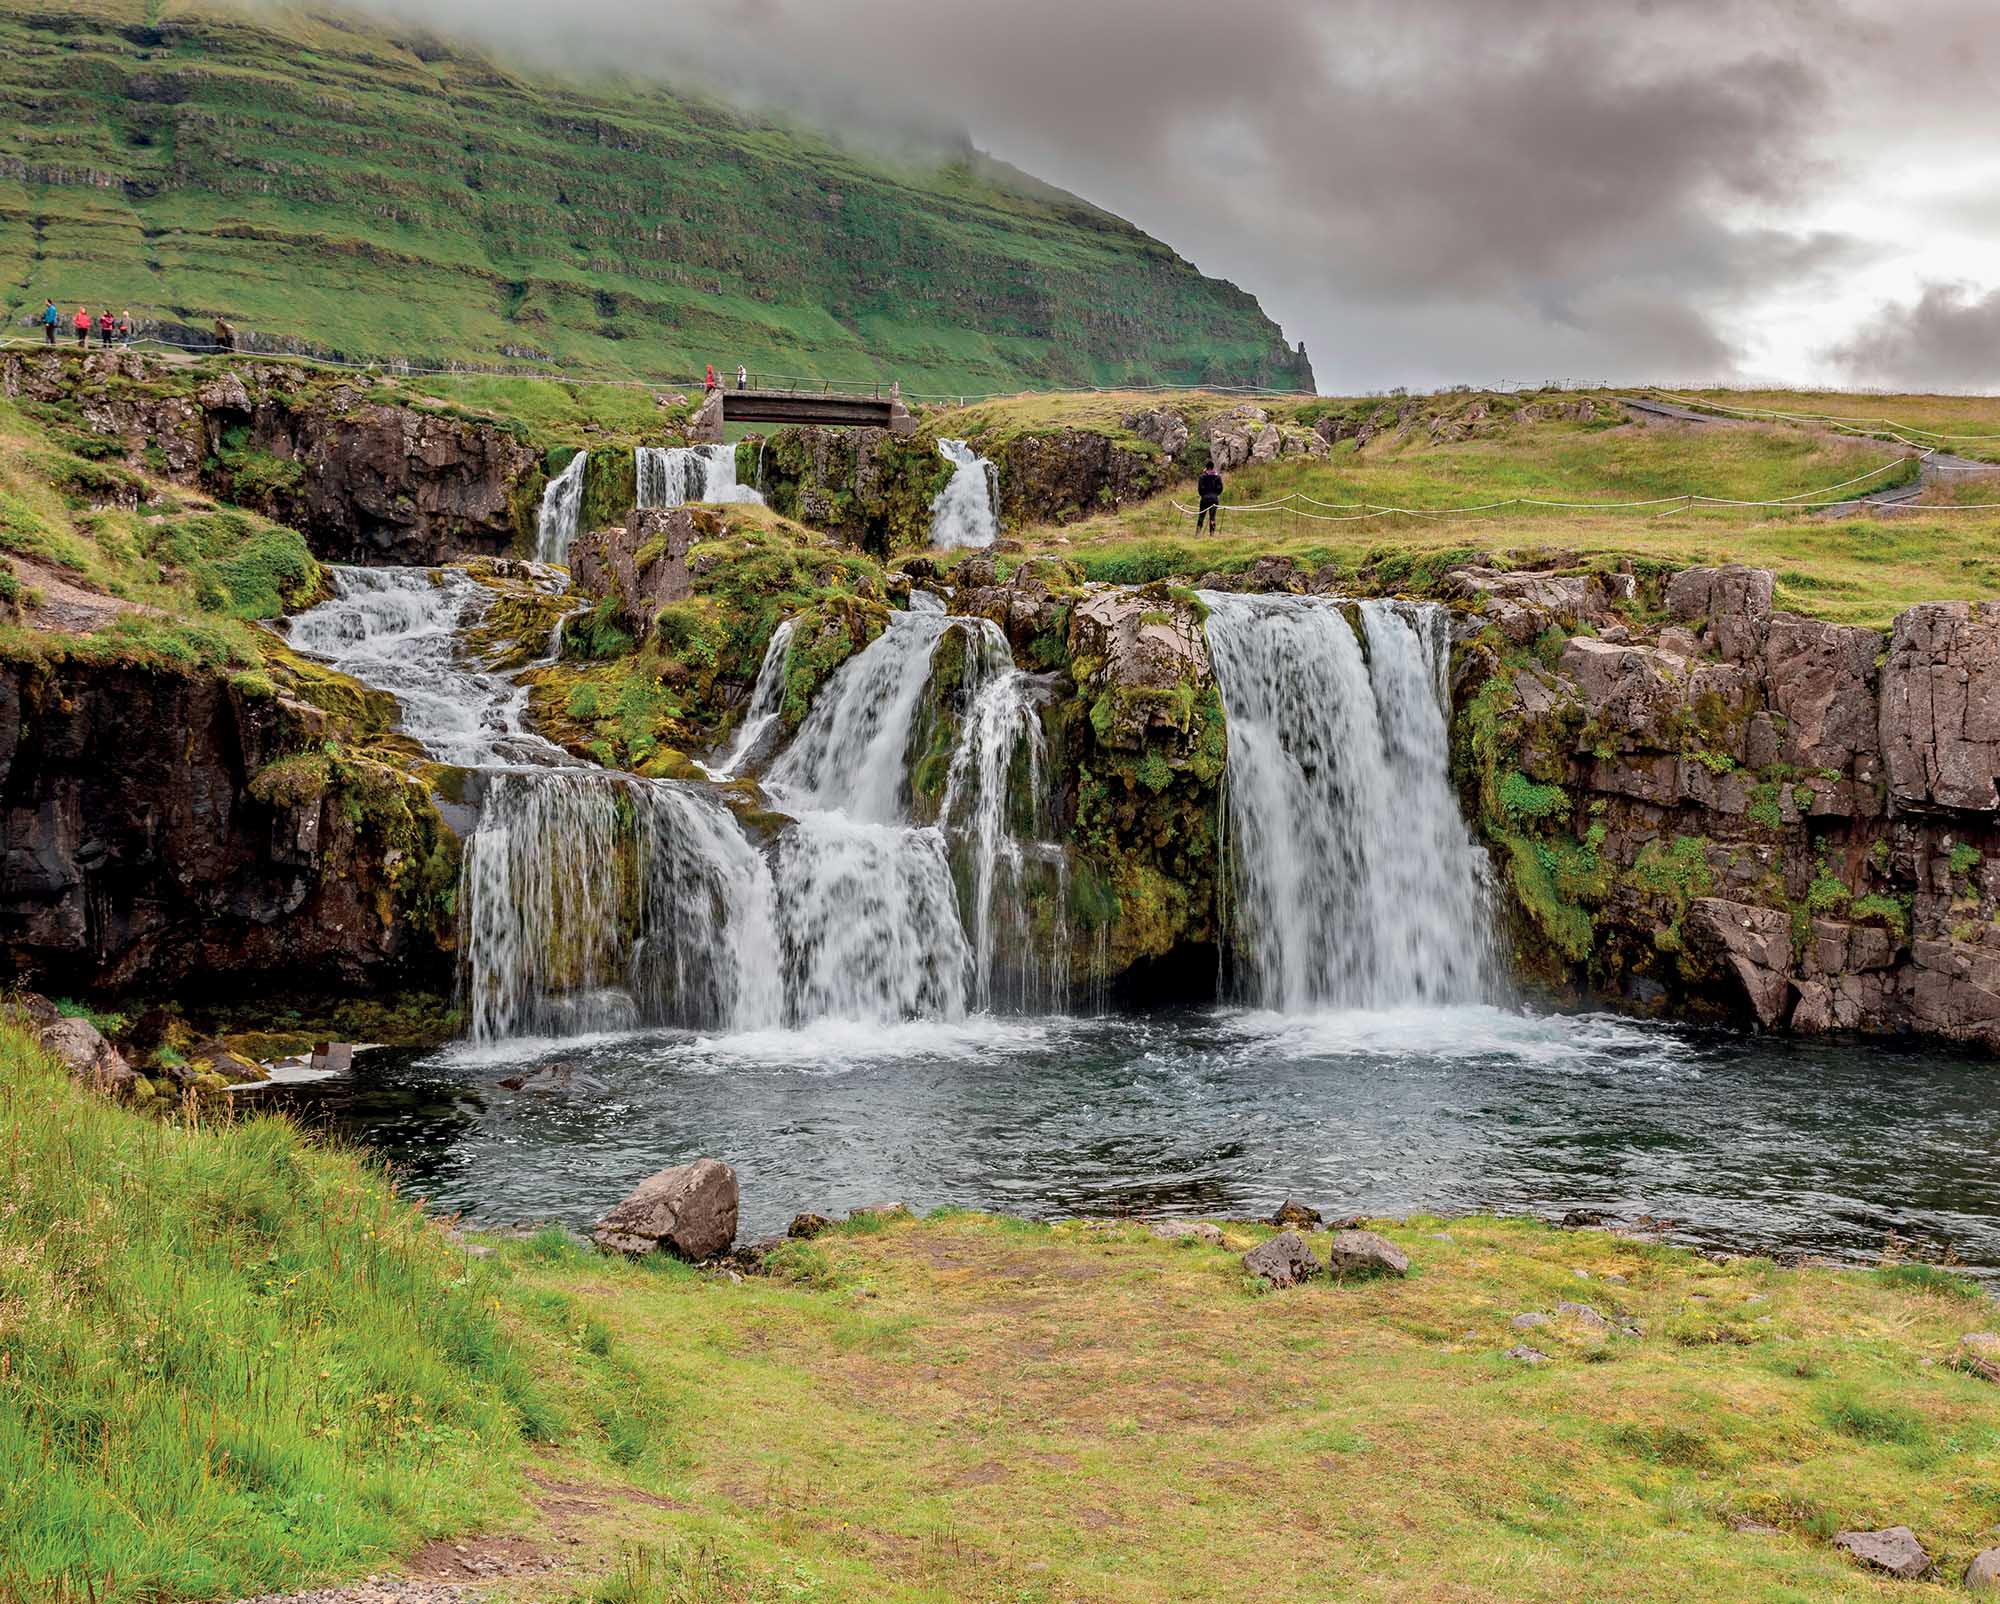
(1858, 570)
(232, 1359)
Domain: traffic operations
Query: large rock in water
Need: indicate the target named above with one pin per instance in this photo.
(1153, 660)
(689, 1210)
(644, 564)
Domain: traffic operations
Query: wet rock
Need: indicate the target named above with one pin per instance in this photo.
(1523, 1354)
(1034, 602)
(1289, 1214)
(1283, 1261)
(805, 1227)
(558, 1079)
(1153, 650)
(1754, 944)
(643, 564)
(1581, 1219)
(1982, 1576)
(689, 1211)
(1894, 1550)
(1366, 1253)
(1186, 1230)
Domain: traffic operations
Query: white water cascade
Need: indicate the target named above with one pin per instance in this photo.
(673, 476)
(869, 910)
(767, 701)
(562, 503)
(962, 513)
(1356, 883)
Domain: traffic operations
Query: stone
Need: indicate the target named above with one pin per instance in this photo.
(1153, 648)
(1821, 678)
(1283, 1261)
(1289, 1214)
(1366, 1253)
(1584, 1315)
(1894, 1549)
(1730, 606)
(1940, 707)
(551, 1079)
(1752, 944)
(1529, 1321)
(1982, 1576)
(644, 564)
(689, 1211)
(1527, 1356)
(1979, 1355)
(333, 1057)
(90, 1058)
(1186, 1231)
(1165, 429)
(805, 1227)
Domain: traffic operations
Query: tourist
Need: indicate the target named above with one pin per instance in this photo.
(107, 325)
(225, 336)
(82, 325)
(1209, 487)
(709, 384)
(125, 330)
(50, 318)
(742, 377)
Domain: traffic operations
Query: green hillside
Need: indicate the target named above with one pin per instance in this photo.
(317, 179)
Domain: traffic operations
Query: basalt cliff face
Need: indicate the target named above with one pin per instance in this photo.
(365, 481)
(1703, 806)
(169, 830)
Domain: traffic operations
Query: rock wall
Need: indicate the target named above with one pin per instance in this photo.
(869, 487)
(1701, 805)
(160, 829)
(1059, 475)
(363, 481)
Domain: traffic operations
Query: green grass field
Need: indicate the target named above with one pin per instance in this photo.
(231, 1359)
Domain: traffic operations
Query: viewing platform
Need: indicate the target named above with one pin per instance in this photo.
(824, 407)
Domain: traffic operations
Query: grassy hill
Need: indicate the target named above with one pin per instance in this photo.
(316, 178)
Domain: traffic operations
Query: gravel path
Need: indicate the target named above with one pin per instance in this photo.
(377, 1593)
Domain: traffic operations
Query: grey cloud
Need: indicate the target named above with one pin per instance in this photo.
(1616, 179)
(1950, 336)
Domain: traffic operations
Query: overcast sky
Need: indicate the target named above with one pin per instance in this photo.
(1442, 191)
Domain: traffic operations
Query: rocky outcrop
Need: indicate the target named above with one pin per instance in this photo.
(1894, 1550)
(1738, 811)
(688, 1211)
(1060, 475)
(1245, 434)
(869, 487)
(644, 563)
(160, 827)
(363, 480)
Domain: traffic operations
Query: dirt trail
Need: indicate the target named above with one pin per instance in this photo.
(66, 607)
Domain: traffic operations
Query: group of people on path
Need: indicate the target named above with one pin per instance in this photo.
(742, 378)
(108, 328)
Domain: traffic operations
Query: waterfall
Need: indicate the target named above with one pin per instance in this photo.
(399, 630)
(869, 911)
(562, 502)
(673, 476)
(767, 701)
(596, 902)
(962, 512)
(1356, 882)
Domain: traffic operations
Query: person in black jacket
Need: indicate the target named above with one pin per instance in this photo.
(1209, 486)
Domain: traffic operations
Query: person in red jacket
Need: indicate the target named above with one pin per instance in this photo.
(710, 385)
(82, 324)
(107, 325)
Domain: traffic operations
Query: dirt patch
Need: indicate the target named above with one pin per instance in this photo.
(480, 1559)
(597, 1497)
(66, 607)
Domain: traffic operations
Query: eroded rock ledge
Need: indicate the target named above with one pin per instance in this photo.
(1703, 805)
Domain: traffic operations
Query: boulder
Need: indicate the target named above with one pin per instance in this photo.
(91, 1059)
(1366, 1253)
(1152, 648)
(1523, 1354)
(1283, 1261)
(553, 1079)
(1584, 1315)
(690, 1211)
(1291, 1214)
(1529, 1321)
(1728, 608)
(643, 564)
(1165, 429)
(805, 1227)
(1982, 1576)
(1752, 944)
(1186, 1231)
(1894, 1549)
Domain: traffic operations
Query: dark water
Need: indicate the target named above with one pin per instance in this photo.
(1748, 1143)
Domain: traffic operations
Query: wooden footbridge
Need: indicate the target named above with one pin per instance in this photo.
(825, 408)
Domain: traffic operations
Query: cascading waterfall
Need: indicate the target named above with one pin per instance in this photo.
(599, 902)
(869, 912)
(962, 512)
(673, 476)
(767, 701)
(562, 504)
(1356, 882)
